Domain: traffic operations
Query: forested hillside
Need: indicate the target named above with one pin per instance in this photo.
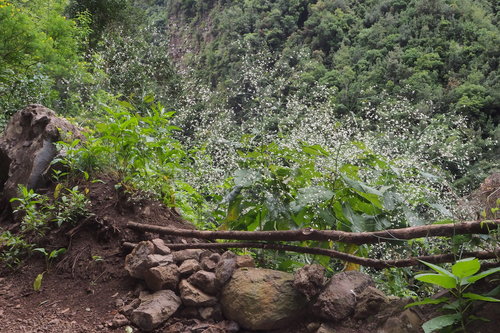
(253, 115)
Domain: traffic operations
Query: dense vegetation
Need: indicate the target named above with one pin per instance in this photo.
(331, 114)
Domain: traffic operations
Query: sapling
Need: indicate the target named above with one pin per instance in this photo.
(462, 276)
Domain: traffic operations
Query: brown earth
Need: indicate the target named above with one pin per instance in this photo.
(83, 290)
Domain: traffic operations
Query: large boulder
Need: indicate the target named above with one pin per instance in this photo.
(262, 299)
(338, 300)
(27, 148)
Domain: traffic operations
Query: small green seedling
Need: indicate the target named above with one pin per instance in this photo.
(462, 275)
(37, 284)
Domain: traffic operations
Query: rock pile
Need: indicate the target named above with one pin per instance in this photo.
(226, 293)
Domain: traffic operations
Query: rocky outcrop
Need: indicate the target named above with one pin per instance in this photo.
(262, 299)
(27, 148)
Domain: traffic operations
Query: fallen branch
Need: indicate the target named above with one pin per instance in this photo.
(434, 230)
(368, 262)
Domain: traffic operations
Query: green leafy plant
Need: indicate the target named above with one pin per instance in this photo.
(71, 205)
(49, 257)
(35, 210)
(12, 248)
(464, 273)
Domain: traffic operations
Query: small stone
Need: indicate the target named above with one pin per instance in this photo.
(159, 260)
(369, 302)
(208, 264)
(192, 296)
(155, 309)
(245, 261)
(127, 309)
(215, 257)
(324, 328)
(119, 303)
(162, 277)
(229, 326)
(228, 255)
(224, 270)
(188, 267)
(313, 326)
(184, 255)
(136, 263)
(160, 247)
(119, 320)
(309, 280)
(87, 309)
(338, 299)
(204, 281)
(211, 312)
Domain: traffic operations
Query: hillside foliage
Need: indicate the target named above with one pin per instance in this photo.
(272, 115)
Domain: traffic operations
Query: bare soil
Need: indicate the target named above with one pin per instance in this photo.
(83, 290)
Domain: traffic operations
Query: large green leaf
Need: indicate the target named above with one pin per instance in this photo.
(428, 301)
(481, 275)
(310, 195)
(358, 222)
(438, 269)
(480, 297)
(360, 186)
(246, 177)
(437, 279)
(315, 150)
(440, 322)
(466, 267)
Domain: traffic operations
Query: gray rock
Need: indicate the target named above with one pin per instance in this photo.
(228, 255)
(160, 247)
(162, 277)
(211, 313)
(208, 264)
(224, 270)
(406, 322)
(192, 296)
(337, 301)
(370, 302)
(155, 309)
(229, 326)
(119, 320)
(244, 261)
(215, 257)
(160, 260)
(137, 262)
(183, 255)
(188, 267)
(309, 280)
(205, 281)
(324, 328)
(128, 308)
(27, 148)
(262, 299)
